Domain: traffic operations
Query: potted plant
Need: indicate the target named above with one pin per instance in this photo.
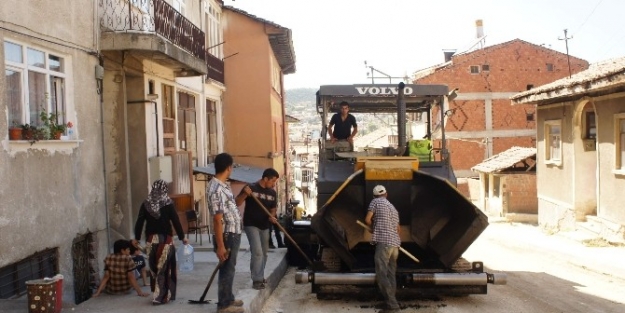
(15, 131)
(51, 127)
(28, 131)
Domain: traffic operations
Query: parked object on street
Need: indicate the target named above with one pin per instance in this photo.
(437, 223)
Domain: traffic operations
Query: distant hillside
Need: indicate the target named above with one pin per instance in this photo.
(298, 95)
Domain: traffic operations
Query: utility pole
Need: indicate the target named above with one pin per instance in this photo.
(568, 58)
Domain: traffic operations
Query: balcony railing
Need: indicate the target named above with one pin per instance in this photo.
(152, 16)
(215, 68)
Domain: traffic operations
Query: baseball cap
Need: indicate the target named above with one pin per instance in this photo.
(379, 190)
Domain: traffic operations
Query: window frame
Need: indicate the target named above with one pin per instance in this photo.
(474, 69)
(619, 163)
(587, 126)
(25, 69)
(549, 158)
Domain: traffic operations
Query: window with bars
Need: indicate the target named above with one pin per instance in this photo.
(34, 82)
(474, 69)
(13, 277)
(553, 142)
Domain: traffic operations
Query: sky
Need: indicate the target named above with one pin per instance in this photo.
(333, 38)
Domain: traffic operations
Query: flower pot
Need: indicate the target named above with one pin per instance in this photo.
(57, 135)
(27, 134)
(15, 133)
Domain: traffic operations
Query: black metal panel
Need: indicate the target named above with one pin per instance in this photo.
(80, 256)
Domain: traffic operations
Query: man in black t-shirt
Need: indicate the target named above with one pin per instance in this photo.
(341, 124)
(256, 221)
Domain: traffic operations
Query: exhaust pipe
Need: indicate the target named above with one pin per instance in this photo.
(423, 279)
(401, 120)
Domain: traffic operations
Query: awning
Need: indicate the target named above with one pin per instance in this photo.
(504, 160)
(242, 173)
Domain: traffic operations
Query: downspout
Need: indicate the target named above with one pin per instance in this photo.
(284, 142)
(104, 172)
(100, 82)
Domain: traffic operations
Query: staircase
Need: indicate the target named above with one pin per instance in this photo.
(610, 231)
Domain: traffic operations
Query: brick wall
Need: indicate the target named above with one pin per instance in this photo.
(521, 190)
(512, 67)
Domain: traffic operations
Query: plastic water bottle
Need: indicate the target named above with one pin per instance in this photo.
(185, 257)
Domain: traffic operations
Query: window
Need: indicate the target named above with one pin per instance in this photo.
(553, 142)
(549, 67)
(187, 131)
(590, 126)
(619, 136)
(485, 67)
(180, 6)
(214, 34)
(13, 277)
(475, 69)
(35, 82)
(211, 129)
(169, 118)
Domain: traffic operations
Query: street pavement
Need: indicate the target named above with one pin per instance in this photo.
(190, 287)
(579, 247)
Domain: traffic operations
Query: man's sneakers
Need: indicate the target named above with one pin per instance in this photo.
(258, 285)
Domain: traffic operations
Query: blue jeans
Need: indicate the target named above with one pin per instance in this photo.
(385, 268)
(225, 296)
(259, 244)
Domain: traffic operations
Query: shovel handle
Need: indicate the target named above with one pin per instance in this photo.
(284, 231)
(408, 254)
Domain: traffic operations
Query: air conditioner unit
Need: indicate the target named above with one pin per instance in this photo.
(161, 168)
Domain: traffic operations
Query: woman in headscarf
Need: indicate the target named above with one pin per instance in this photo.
(159, 215)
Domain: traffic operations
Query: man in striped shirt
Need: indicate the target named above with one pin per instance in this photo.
(385, 219)
(227, 238)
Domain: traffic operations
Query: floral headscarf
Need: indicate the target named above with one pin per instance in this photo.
(157, 198)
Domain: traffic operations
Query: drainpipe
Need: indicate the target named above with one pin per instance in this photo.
(598, 191)
(106, 206)
(284, 142)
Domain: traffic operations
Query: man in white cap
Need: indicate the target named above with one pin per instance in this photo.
(385, 219)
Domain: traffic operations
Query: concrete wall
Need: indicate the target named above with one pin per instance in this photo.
(484, 123)
(611, 183)
(54, 192)
(555, 182)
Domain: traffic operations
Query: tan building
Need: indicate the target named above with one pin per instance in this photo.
(581, 150)
(259, 53)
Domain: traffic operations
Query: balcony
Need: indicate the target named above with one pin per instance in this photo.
(215, 68)
(153, 29)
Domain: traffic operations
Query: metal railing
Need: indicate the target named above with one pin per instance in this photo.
(152, 16)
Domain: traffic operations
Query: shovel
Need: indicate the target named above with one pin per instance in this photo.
(210, 282)
(317, 266)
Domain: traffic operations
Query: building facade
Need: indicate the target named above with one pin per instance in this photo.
(481, 122)
(581, 150)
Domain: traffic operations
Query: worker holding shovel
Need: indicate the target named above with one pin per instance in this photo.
(385, 219)
(227, 223)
